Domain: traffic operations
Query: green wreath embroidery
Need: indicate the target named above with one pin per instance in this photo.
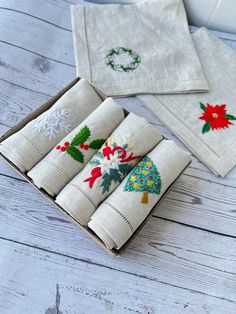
(110, 59)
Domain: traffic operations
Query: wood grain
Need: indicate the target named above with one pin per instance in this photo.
(74, 286)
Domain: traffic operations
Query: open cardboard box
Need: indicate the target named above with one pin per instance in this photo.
(34, 115)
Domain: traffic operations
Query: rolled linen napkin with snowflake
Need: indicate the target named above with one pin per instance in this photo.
(128, 143)
(69, 157)
(28, 146)
(128, 206)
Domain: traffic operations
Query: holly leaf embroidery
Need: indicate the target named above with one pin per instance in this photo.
(106, 182)
(230, 117)
(206, 127)
(75, 153)
(115, 175)
(81, 136)
(125, 168)
(96, 144)
(202, 106)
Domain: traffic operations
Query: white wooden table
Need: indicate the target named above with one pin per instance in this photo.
(183, 260)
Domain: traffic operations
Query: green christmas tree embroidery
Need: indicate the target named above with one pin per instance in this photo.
(144, 178)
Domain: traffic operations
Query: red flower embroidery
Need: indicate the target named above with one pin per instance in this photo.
(216, 117)
(112, 164)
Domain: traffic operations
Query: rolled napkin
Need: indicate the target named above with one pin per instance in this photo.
(28, 146)
(70, 155)
(126, 208)
(128, 143)
(146, 50)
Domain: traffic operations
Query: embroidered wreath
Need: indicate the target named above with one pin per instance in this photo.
(215, 117)
(110, 59)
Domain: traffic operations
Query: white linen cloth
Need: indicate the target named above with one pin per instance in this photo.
(117, 218)
(205, 122)
(139, 48)
(133, 138)
(69, 157)
(29, 145)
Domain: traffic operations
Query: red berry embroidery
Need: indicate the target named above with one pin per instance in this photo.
(86, 147)
(66, 144)
(58, 147)
(63, 149)
(150, 177)
(81, 145)
(141, 180)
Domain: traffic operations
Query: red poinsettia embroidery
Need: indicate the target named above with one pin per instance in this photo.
(216, 117)
(112, 164)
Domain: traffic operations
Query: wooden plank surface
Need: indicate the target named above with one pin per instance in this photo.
(183, 261)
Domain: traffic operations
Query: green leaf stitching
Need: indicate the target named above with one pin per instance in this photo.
(115, 175)
(96, 144)
(75, 153)
(206, 127)
(81, 136)
(202, 106)
(106, 182)
(125, 168)
(230, 117)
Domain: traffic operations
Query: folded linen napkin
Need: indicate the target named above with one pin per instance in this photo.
(117, 218)
(28, 146)
(139, 48)
(69, 157)
(205, 122)
(133, 138)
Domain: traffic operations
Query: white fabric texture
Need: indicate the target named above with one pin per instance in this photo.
(139, 48)
(133, 138)
(214, 143)
(117, 218)
(58, 167)
(28, 146)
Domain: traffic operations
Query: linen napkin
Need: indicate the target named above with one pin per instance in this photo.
(28, 146)
(139, 48)
(126, 208)
(69, 156)
(205, 122)
(133, 138)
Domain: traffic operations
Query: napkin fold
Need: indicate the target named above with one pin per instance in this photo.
(28, 146)
(70, 155)
(117, 218)
(205, 122)
(133, 138)
(140, 48)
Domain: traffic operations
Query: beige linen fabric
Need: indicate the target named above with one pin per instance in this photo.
(215, 147)
(28, 146)
(134, 137)
(122, 212)
(58, 167)
(139, 48)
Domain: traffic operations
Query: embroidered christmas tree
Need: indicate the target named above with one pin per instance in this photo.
(144, 178)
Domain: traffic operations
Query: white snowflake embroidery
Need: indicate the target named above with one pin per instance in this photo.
(53, 123)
